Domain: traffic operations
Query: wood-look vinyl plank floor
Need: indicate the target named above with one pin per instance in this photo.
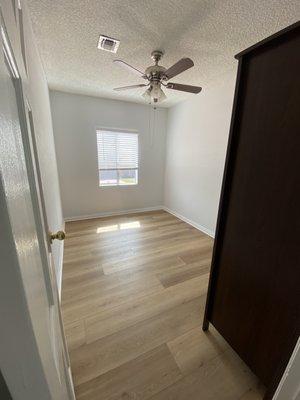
(133, 298)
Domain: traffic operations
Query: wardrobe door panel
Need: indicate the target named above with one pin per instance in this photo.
(255, 285)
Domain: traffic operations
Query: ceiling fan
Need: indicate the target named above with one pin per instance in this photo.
(158, 76)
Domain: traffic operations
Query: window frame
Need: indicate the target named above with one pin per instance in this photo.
(118, 186)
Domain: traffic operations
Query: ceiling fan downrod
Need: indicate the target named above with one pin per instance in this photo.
(156, 56)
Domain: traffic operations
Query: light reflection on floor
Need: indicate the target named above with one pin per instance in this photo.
(116, 227)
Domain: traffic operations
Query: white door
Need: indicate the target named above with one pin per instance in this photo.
(46, 249)
(26, 265)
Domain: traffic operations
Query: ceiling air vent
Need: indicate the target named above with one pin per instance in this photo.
(108, 44)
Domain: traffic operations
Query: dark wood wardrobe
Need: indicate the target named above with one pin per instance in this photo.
(254, 291)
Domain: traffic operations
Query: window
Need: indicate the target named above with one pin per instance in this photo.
(117, 158)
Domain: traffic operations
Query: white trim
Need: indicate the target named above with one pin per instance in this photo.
(60, 266)
(289, 386)
(8, 53)
(112, 129)
(113, 213)
(201, 228)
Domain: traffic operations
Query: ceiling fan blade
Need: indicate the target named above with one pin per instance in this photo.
(130, 87)
(129, 67)
(177, 68)
(184, 88)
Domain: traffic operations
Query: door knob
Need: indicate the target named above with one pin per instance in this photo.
(59, 235)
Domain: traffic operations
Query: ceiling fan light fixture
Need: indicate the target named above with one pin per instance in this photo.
(156, 90)
(156, 93)
(147, 95)
(161, 97)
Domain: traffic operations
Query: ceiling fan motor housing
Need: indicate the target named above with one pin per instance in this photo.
(155, 72)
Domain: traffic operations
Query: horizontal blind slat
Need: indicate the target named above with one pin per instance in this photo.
(117, 150)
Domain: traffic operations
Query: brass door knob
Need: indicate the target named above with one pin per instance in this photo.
(59, 235)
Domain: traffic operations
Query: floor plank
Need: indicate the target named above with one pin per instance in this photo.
(94, 300)
(224, 377)
(135, 310)
(138, 379)
(98, 357)
(75, 334)
(254, 393)
(177, 275)
(195, 348)
(133, 296)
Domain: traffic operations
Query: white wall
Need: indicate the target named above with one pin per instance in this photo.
(75, 118)
(197, 134)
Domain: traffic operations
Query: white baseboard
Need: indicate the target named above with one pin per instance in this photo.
(139, 210)
(201, 228)
(113, 213)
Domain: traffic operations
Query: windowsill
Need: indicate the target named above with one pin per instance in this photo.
(117, 186)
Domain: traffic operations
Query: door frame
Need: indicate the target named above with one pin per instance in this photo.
(289, 386)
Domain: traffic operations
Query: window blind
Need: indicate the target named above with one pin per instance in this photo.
(117, 150)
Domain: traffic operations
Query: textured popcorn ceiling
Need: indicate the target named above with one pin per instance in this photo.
(210, 32)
